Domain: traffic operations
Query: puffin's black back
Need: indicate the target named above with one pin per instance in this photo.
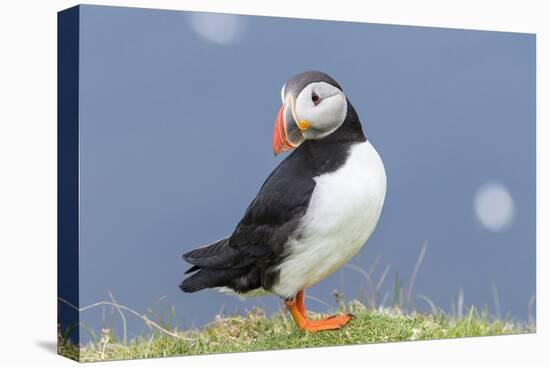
(247, 259)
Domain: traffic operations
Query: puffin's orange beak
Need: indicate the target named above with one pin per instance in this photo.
(280, 140)
(287, 134)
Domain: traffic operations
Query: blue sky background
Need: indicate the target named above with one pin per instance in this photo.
(176, 118)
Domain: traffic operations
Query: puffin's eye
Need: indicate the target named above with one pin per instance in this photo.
(315, 98)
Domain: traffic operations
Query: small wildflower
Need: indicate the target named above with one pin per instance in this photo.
(415, 334)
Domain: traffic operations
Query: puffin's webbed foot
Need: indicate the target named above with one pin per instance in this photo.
(299, 314)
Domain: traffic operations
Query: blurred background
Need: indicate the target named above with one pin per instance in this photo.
(176, 117)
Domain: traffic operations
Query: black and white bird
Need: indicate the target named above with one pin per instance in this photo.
(313, 213)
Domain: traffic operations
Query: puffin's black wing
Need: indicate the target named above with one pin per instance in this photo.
(246, 259)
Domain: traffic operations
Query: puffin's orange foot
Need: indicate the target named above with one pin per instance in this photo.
(299, 314)
(330, 323)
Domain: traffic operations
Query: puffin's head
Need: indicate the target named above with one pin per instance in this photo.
(314, 106)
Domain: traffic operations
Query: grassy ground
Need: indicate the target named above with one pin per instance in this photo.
(256, 332)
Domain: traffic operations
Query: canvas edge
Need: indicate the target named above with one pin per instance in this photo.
(68, 319)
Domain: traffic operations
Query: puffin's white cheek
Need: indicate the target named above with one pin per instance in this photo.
(330, 113)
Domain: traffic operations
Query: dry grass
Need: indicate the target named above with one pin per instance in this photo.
(375, 322)
(257, 332)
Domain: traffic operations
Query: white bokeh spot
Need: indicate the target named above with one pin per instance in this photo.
(494, 206)
(217, 28)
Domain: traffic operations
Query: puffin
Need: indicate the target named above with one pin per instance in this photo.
(312, 214)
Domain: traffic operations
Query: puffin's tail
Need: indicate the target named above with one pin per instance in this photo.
(211, 266)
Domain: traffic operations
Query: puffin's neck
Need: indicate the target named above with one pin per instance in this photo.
(349, 131)
(328, 153)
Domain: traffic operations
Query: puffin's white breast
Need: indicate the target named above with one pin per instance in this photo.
(343, 212)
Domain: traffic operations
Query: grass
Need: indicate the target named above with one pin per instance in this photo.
(257, 332)
(375, 322)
